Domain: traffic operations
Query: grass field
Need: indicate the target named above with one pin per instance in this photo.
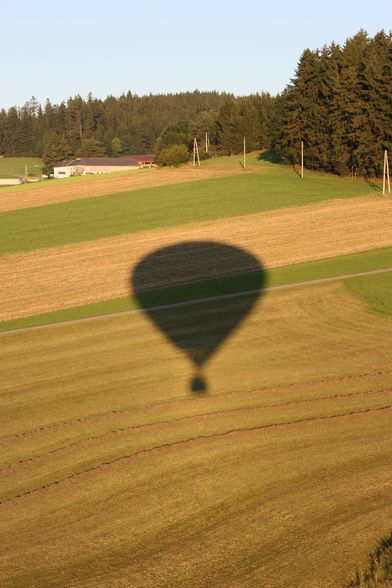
(15, 166)
(89, 186)
(375, 289)
(166, 206)
(114, 473)
(55, 278)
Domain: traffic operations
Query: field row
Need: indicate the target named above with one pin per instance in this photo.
(374, 288)
(52, 279)
(299, 407)
(167, 206)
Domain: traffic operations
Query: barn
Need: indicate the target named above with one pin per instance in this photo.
(100, 165)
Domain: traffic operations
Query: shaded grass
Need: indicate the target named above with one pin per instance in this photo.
(374, 289)
(166, 206)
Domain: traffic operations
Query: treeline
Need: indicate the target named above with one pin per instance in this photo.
(129, 124)
(340, 105)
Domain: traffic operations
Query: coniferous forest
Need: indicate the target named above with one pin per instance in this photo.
(339, 104)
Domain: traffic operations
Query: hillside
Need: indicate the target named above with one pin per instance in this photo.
(114, 466)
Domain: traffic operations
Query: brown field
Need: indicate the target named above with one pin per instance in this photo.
(114, 474)
(50, 279)
(56, 192)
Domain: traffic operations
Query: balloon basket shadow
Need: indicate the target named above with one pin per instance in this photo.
(198, 385)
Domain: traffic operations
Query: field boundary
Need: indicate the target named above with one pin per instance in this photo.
(200, 300)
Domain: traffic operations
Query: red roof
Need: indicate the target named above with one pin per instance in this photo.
(144, 158)
(106, 161)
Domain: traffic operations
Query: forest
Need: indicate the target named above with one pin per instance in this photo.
(339, 103)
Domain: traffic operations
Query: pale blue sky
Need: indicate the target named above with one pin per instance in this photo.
(58, 49)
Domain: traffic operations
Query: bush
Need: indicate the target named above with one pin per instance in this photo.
(173, 155)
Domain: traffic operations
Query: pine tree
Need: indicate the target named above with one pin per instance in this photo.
(301, 108)
(3, 138)
(11, 132)
(349, 100)
(228, 126)
(56, 149)
(375, 79)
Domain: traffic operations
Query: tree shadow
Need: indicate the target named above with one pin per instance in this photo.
(196, 293)
(270, 156)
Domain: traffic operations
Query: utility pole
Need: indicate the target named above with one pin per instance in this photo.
(302, 159)
(244, 154)
(386, 173)
(25, 173)
(207, 142)
(195, 153)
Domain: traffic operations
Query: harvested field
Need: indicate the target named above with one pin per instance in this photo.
(62, 277)
(11, 200)
(279, 476)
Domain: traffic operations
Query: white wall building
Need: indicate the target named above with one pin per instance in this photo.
(100, 165)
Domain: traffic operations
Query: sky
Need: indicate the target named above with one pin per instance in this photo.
(59, 49)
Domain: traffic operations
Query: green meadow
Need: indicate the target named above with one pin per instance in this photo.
(16, 166)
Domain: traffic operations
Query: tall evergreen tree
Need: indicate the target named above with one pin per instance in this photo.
(228, 127)
(375, 82)
(339, 104)
(56, 149)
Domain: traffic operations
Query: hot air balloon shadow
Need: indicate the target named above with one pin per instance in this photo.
(194, 292)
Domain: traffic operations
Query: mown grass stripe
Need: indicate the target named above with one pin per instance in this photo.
(166, 206)
(194, 301)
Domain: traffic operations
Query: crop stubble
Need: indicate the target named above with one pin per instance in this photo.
(62, 277)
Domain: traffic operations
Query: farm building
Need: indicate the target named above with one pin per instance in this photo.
(100, 165)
